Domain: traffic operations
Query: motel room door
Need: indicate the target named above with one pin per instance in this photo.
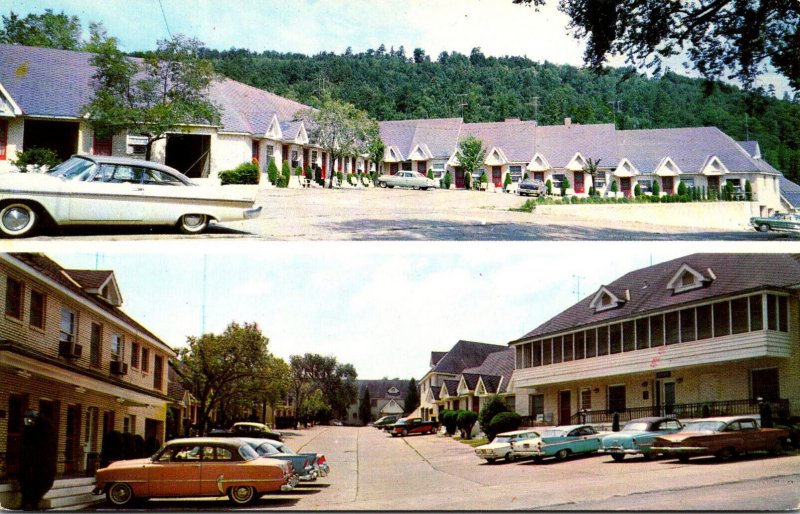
(497, 176)
(459, 177)
(578, 182)
(564, 410)
(625, 186)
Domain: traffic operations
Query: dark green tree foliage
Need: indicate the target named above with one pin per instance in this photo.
(286, 174)
(411, 400)
(447, 179)
(549, 187)
(37, 469)
(564, 185)
(336, 381)
(46, 29)
(637, 191)
(682, 188)
(163, 90)
(112, 448)
(495, 88)
(504, 422)
(493, 406)
(449, 419)
(365, 407)
(507, 181)
(465, 420)
(732, 38)
(656, 188)
(430, 174)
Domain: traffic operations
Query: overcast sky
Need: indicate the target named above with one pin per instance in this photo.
(380, 306)
(498, 27)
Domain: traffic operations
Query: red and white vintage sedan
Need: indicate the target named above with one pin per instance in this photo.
(193, 467)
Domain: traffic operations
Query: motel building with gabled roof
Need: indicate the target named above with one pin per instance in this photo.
(69, 352)
(43, 92)
(705, 334)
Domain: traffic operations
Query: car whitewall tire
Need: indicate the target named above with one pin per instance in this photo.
(242, 494)
(119, 494)
(17, 219)
(193, 223)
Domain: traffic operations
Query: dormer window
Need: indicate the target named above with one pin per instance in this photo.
(604, 300)
(689, 279)
(393, 390)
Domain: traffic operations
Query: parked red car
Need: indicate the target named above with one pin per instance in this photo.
(405, 426)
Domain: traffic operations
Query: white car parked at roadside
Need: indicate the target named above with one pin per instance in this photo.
(500, 447)
(95, 190)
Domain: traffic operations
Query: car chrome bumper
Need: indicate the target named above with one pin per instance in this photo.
(680, 449)
(255, 212)
(291, 484)
(528, 453)
(618, 450)
(323, 470)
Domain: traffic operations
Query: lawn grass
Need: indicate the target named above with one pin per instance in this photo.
(528, 206)
(472, 442)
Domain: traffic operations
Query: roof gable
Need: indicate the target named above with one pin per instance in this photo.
(539, 163)
(420, 153)
(495, 157)
(687, 279)
(604, 300)
(667, 168)
(625, 169)
(101, 283)
(576, 163)
(714, 166)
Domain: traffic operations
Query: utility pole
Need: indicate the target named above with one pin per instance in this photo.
(746, 128)
(205, 279)
(321, 87)
(463, 103)
(535, 102)
(614, 108)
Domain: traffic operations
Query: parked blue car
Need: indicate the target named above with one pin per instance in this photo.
(637, 436)
(559, 442)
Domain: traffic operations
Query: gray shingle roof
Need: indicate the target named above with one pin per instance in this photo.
(58, 83)
(497, 365)
(452, 387)
(440, 135)
(559, 143)
(515, 138)
(689, 148)
(465, 354)
(751, 147)
(735, 272)
(436, 357)
(380, 388)
(790, 191)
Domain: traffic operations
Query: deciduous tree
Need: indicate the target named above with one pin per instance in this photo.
(47, 29)
(470, 154)
(164, 90)
(737, 39)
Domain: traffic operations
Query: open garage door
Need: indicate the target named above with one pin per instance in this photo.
(189, 154)
(59, 136)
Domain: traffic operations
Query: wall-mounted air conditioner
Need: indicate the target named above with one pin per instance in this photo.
(136, 145)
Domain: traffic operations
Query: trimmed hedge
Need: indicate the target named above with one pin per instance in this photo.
(494, 406)
(465, 421)
(449, 419)
(245, 173)
(505, 422)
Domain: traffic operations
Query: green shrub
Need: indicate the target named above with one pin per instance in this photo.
(564, 186)
(272, 172)
(430, 174)
(465, 421)
(728, 192)
(365, 180)
(656, 189)
(682, 188)
(36, 157)
(484, 178)
(574, 199)
(298, 171)
(245, 173)
(286, 175)
(528, 206)
(491, 408)
(448, 179)
(525, 176)
(592, 191)
(614, 187)
(748, 189)
(468, 180)
(637, 191)
(340, 176)
(504, 422)
(37, 468)
(449, 419)
(507, 181)
(549, 187)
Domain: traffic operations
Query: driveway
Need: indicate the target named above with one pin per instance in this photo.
(399, 214)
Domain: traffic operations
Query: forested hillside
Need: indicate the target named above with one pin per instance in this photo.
(390, 85)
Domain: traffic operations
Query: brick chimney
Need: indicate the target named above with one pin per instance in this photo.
(567, 122)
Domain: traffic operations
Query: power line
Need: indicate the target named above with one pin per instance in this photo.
(164, 15)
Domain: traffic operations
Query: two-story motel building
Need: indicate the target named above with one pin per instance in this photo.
(705, 334)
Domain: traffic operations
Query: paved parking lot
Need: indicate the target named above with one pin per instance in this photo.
(400, 214)
(372, 471)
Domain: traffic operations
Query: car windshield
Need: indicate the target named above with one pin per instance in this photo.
(503, 439)
(553, 433)
(636, 426)
(702, 426)
(74, 168)
(267, 449)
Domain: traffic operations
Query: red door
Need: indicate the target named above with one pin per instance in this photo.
(305, 158)
(459, 178)
(538, 175)
(285, 152)
(625, 185)
(324, 163)
(578, 182)
(497, 176)
(669, 185)
(713, 184)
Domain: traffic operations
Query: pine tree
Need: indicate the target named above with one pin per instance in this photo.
(365, 407)
(412, 397)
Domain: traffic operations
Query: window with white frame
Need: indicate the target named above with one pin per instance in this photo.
(644, 184)
(117, 347)
(295, 161)
(600, 179)
(516, 173)
(438, 169)
(68, 327)
(406, 166)
(736, 183)
(270, 153)
(689, 182)
(557, 179)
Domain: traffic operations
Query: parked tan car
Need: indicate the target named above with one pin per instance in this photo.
(723, 437)
(192, 467)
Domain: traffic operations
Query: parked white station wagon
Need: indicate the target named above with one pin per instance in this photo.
(500, 447)
(95, 190)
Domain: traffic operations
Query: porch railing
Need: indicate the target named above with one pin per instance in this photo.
(780, 409)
